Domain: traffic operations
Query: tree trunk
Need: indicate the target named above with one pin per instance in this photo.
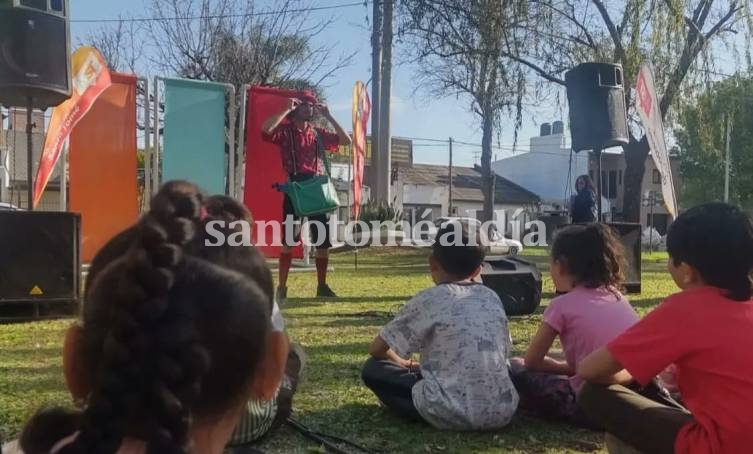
(635, 159)
(487, 176)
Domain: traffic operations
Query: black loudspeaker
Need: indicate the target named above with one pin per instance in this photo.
(516, 281)
(598, 117)
(35, 55)
(630, 236)
(40, 265)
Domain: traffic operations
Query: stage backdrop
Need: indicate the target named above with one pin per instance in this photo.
(103, 181)
(194, 138)
(264, 165)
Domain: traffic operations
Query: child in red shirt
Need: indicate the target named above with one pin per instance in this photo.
(706, 331)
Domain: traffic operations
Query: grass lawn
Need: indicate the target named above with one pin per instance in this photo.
(335, 336)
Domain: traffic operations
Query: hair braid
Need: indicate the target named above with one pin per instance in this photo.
(152, 361)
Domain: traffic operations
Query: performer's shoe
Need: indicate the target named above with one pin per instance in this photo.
(323, 291)
(281, 296)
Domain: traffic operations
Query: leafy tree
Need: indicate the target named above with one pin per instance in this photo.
(458, 46)
(682, 38)
(702, 138)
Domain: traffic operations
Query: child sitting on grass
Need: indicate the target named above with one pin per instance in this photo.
(586, 266)
(706, 330)
(170, 346)
(460, 330)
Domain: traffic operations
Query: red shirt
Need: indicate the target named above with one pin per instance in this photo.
(304, 147)
(710, 340)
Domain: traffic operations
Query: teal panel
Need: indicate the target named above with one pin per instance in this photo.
(194, 134)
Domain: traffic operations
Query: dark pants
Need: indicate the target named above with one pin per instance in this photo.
(548, 396)
(318, 233)
(392, 385)
(646, 425)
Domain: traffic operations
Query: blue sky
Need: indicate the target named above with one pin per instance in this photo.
(412, 115)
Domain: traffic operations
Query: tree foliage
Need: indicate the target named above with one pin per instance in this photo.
(237, 42)
(701, 134)
(681, 38)
(458, 46)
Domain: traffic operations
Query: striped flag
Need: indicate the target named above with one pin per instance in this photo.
(361, 109)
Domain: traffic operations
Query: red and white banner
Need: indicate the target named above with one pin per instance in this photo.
(90, 78)
(361, 110)
(647, 104)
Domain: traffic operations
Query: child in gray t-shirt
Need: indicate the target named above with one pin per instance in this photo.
(459, 329)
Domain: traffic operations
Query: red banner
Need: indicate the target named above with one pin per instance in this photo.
(90, 78)
(361, 109)
(264, 168)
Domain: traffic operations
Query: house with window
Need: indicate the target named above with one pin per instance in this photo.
(550, 169)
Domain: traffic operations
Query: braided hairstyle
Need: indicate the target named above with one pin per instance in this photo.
(171, 337)
(245, 259)
(592, 254)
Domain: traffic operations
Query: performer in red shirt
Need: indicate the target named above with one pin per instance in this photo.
(706, 331)
(297, 139)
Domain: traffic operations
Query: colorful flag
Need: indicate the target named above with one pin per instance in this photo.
(361, 109)
(90, 78)
(648, 108)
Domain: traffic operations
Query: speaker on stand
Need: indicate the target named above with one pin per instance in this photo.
(598, 117)
(35, 59)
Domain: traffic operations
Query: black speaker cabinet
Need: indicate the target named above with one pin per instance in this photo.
(630, 236)
(516, 281)
(598, 118)
(35, 54)
(40, 265)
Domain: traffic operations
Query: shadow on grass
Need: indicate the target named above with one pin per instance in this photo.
(646, 303)
(32, 379)
(381, 430)
(349, 299)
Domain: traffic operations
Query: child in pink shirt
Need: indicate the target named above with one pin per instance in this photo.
(586, 265)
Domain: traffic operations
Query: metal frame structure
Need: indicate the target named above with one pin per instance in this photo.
(152, 159)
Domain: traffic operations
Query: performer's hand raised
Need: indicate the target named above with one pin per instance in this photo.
(294, 103)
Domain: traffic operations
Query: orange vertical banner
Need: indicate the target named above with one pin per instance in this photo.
(90, 79)
(103, 178)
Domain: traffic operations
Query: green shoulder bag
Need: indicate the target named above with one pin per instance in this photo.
(316, 195)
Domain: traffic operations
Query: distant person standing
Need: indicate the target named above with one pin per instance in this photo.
(583, 202)
(300, 144)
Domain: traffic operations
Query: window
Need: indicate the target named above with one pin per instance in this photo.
(612, 193)
(619, 178)
(657, 177)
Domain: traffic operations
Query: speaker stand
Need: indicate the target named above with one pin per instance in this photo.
(29, 152)
(597, 152)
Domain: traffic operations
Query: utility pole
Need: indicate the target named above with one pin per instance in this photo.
(376, 88)
(449, 210)
(385, 140)
(726, 160)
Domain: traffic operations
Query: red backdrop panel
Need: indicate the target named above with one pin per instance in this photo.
(103, 180)
(264, 165)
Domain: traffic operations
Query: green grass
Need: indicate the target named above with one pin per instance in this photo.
(335, 336)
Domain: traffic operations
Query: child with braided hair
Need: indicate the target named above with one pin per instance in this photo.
(170, 348)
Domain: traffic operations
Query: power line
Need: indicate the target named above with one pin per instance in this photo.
(226, 16)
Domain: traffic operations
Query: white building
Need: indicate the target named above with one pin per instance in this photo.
(548, 170)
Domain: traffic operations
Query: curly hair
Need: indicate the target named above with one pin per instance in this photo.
(169, 335)
(592, 254)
